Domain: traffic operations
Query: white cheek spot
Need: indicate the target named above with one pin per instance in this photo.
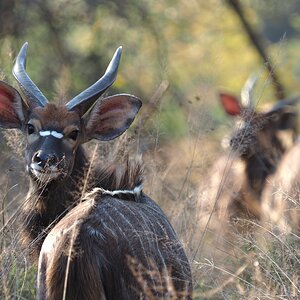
(54, 133)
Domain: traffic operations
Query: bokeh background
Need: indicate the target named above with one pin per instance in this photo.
(177, 56)
(197, 46)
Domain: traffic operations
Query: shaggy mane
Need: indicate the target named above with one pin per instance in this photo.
(123, 179)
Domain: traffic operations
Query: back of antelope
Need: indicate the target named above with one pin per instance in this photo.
(113, 242)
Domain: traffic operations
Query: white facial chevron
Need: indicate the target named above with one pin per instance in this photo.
(54, 133)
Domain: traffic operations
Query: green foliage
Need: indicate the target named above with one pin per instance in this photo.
(172, 122)
(195, 45)
(18, 281)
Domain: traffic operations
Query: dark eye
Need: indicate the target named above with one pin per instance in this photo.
(30, 128)
(73, 135)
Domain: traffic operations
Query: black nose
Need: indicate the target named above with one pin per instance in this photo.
(42, 159)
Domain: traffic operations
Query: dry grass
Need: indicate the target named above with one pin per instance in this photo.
(164, 287)
(227, 264)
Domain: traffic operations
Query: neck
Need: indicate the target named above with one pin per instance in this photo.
(263, 164)
(47, 203)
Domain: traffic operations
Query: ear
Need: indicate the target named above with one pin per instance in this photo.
(231, 104)
(11, 111)
(111, 116)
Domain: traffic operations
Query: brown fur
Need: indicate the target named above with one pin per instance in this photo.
(239, 178)
(56, 117)
(40, 213)
(261, 162)
(53, 264)
(98, 254)
(98, 259)
(281, 197)
(266, 151)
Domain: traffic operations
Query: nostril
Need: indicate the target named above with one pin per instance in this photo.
(44, 160)
(38, 158)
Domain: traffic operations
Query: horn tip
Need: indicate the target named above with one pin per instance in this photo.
(119, 51)
(25, 46)
(116, 59)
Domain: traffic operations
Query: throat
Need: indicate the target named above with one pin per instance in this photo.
(47, 203)
(258, 168)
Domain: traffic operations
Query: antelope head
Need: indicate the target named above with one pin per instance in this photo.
(256, 130)
(54, 132)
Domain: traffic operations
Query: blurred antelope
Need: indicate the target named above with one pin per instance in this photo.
(256, 150)
(95, 248)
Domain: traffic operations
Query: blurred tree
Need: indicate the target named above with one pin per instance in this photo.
(260, 46)
(196, 46)
(9, 27)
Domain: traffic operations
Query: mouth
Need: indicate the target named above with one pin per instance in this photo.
(45, 174)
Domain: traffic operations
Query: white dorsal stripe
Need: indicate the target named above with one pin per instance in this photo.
(136, 191)
(54, 133)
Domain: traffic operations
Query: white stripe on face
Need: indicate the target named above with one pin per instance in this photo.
(54, 133)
